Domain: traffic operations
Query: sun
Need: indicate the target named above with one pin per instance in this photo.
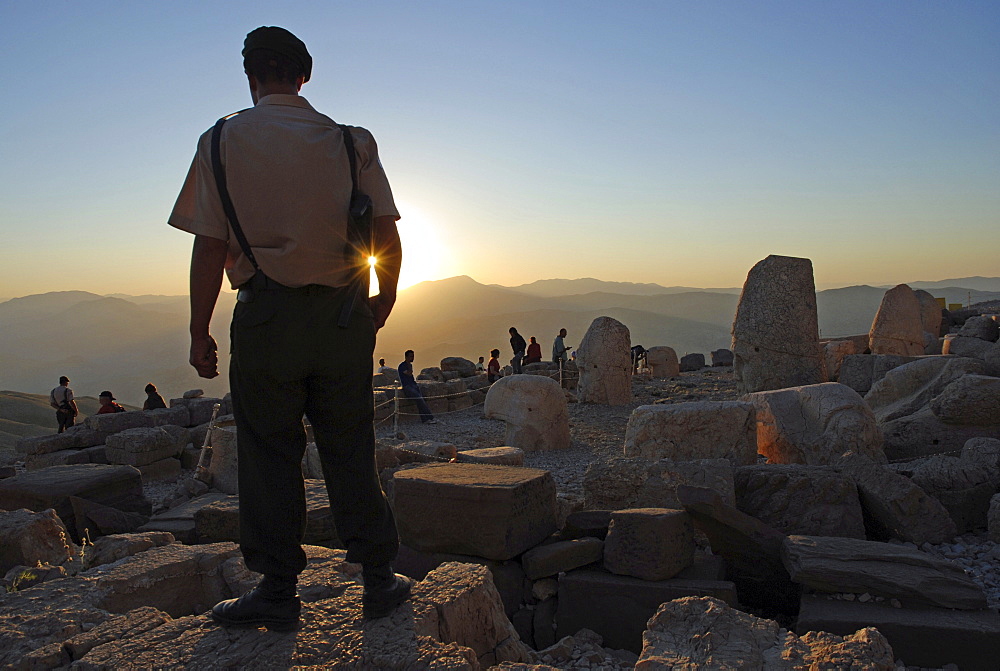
(425, 255)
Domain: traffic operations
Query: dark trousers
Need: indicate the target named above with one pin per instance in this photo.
(290, 358)
(65, 419)
(414, 394)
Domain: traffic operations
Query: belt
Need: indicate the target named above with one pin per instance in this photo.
(261, 283)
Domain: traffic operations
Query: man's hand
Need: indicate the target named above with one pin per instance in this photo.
(205, 356)
(381, 306)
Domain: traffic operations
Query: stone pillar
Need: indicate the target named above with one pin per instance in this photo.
(897, 328)
(605, 363)
(776, 331)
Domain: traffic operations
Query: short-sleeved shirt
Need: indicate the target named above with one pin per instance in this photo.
(289, 178)
(62, 394)
(405, 370)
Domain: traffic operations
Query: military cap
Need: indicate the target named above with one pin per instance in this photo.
(281, 41)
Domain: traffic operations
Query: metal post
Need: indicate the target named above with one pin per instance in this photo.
(395, 415)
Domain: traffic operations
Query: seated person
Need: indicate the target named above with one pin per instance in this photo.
(382, 368)
(108, 404)
(411, 389)
(153, 399)
(534, 352)
(493, 369)
(480, 366)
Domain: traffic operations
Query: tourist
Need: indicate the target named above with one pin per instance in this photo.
(61, 398)
(411, 390)
(108, 404)
(493, 370)
(559, 347)
(302, 340)
(382, 368)
(153, 399)
(518, 346)
(533, 353)
(480, 366)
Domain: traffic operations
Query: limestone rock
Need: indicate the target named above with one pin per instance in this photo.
(649, 543)
(692, 362)
(696, 430)
(815, 425)
(861, 371)
(457, 364)
(224, 466)
(985, 451)
(776, 331)
(500, 456)
(752, 549)
(923, 434)
(495, 512)
(808, 500)
(662, 361)
(969, 346)
(897, 328)
(882, 569)
(115, 422)
(554, 558)
(908, 388)
(27, 538)
(74, 438)
(895, 507)
(424, 451)
(970, 400)
(94, 519)
(991, 358)
(108, 549)
(605, 363)
(118, 487)
(633, 482)
(834, 353)
(963, 487)
(702, 633)
(143, 446)
(534, 409)
(980, 327)
(722, 357)
(930, 313)
(200, 408)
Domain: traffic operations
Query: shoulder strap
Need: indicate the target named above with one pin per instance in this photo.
(220, 184)
(352, 157)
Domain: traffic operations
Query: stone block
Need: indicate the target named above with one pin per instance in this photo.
(908, 388)
(795, 499)
(923, 434)
(116, 422)
(424, 451)
(27, 538)
(75, 437)
(639, 483)
(897, 327)
(696, 430)
(224, 465)
(459, 403)
(96, 454)
(617, 607)
(176, 416)
(534, 409)
(587, 523)
(861, 371)
(189, 457)
(164, 469)
(649, 543)
(179, 521)
(199, 408)
(921, 637)
(604, 363)
(963, 487)
(690, 363)
(498, 456)
(33, 462)
(94, 520)
(993, 519)
(892, 571)
(554, 558)
(662, 362)
(969, 400)
(504, 510)
(544, 623)
(144, 446)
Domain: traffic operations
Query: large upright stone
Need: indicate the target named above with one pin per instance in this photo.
(815, 425)
(534, 409)
(605, 363)
(662, 361)
(114, 486)
(496, 512)
(696, 430)
(882, 569)
(930, 313)
(897, 328)
(810, 500)
(776, 331)
(834, 353)
(224, 466)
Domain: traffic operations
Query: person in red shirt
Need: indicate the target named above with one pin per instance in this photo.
(534, 352)
(108, 404)
(493, 368)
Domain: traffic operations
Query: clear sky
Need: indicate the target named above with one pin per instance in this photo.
(668, 142)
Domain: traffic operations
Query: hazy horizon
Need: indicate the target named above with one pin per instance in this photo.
(674, 143)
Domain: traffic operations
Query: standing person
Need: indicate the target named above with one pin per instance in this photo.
(153, 399)
(274, 209)
(493, 369)
(412, 390)
(559, 348)
(61, 398)
(533, 353)
(108, 404)
(518, 345)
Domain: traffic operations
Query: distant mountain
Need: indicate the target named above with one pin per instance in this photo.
(977, 283)
(24, 414)
(586, 285)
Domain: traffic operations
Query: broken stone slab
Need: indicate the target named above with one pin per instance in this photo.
(966, 346)
(74, 438)
(910, 387)
(116, 422)
(985, 451)
(649, 543)
(815, 425)
(963, 487)
(176, 416)
(913, 577)
(834, 353)
(604, 363)
(94, 519)
(180, 521)
(22, 577)
(220, 520)
(554, 558)
(615, 484)
(117, 487)
(895, 507)
(897, 327)
(108, 549)
(534, 409)
(199, 408)
(923, 434)
(587, 523)
(695, 430)
(144, 446)
(921, 637)
(969, 400)
(424, 451)
(701, 633)
(795, 499)
(505, 510)
(981, 327)
(776, 330)
(28, 538)
(861, 371)
(617, 607)
(34, 462)
(752, 549)
(498, 456)
(462, 366)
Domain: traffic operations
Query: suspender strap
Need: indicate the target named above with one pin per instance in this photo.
(352, 157)
(227, 203)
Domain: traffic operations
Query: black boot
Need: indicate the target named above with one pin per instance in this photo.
(384, 590)
(273, 603)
